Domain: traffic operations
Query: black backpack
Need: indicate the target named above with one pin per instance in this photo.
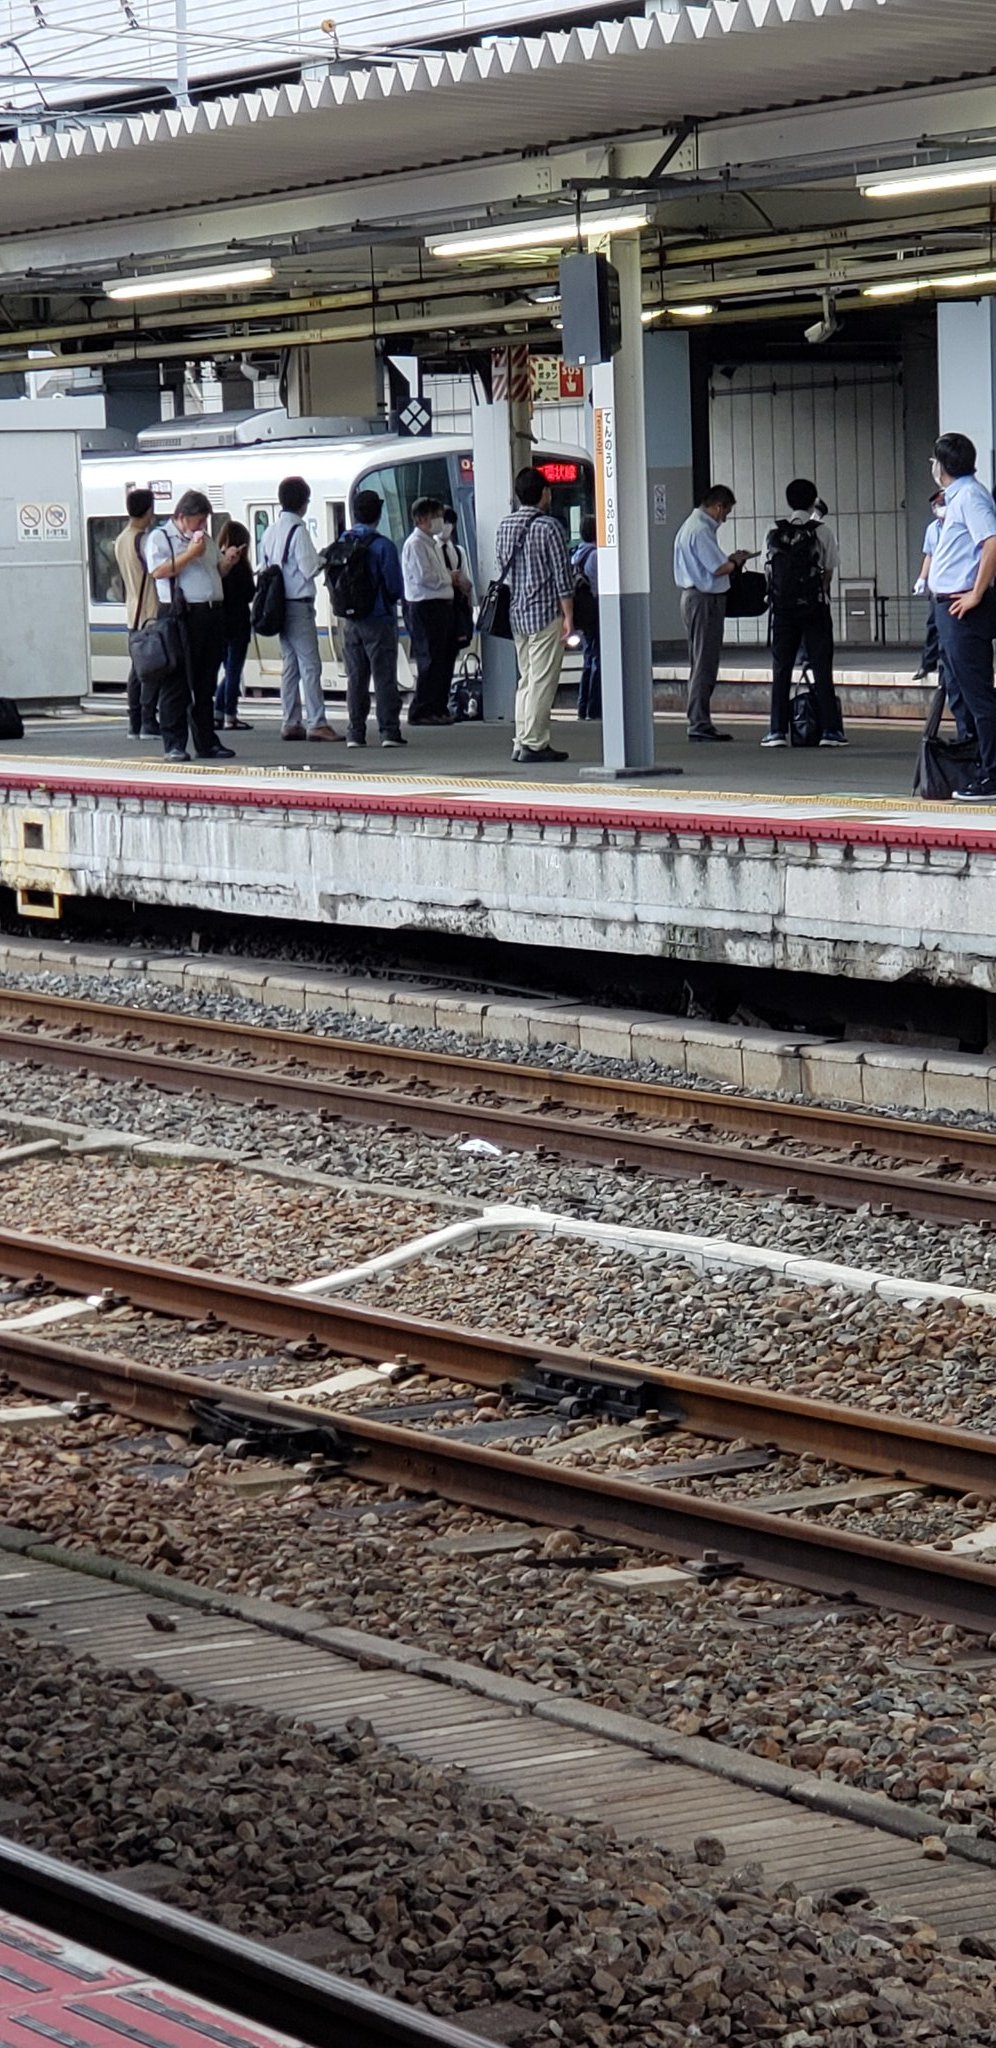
(350, 577)
(794, 566)
(268, 613)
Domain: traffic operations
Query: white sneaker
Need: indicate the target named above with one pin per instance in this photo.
(833, 739)
(774, 739)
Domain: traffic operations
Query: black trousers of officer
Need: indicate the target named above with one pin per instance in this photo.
(187, 698)
(430, 623)
(967, 648)
(788, 632)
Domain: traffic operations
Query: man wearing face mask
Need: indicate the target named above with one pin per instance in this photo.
(962, 568)
(429, 586)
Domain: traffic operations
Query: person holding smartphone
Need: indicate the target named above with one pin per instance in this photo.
(237, 594)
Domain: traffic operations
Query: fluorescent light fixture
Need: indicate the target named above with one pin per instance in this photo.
(539, 234)
(903, 288)
(692, 311)
(179, 282)
(929, 178)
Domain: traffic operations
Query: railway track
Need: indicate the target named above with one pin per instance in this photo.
(627, 1124)
(908, 1578)
(956, 1460)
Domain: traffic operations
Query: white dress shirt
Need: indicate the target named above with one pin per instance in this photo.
(699, 554)
(425, 573)
(199, 580)
(303, 562)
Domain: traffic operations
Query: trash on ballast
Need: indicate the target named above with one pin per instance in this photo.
(480, 1145)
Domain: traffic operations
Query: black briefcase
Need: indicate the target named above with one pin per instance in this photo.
(942, 766)
(156, 648)
(747, 597)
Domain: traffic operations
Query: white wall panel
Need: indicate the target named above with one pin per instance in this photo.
(840, 424)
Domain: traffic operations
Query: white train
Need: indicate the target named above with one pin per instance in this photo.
(241, 483)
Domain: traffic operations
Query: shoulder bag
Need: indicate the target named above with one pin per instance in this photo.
(269, 606)
(495, 614)
(156, 648)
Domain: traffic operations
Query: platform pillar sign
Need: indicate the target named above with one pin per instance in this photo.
(502, 439)
(622, 515)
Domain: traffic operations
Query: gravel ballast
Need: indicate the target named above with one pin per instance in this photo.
(424, 1887)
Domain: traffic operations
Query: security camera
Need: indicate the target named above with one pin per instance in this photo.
(822, 329)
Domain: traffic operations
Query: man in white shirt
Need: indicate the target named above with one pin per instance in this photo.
(429, 586)
(183, 555)
(288, 545)
(702, 571)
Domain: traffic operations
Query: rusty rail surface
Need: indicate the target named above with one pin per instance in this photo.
(955, 1460)
(535, 1117)
(910, 1579)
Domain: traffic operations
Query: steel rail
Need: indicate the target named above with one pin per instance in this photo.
(646, 1149)
(590, 1093)
(955, 1460)
(261, 1986)
(910, 1579)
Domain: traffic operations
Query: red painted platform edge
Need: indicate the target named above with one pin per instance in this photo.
(856, 830)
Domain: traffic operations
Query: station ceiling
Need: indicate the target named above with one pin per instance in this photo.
(771, 103)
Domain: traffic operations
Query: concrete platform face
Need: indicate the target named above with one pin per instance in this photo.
(797, 860)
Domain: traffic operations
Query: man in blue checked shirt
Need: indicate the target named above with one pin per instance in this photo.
(531, 547)
(962, 569)
(702, 571)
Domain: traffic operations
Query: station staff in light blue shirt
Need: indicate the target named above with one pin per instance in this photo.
(962, 568)
(702, 570)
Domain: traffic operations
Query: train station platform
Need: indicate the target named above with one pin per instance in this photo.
(814, 861)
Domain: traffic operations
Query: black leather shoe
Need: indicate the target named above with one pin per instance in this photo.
(527, 754)
(218, 753)
(712, 735)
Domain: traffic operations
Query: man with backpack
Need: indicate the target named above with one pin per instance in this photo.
(363, 572)
(287, 545)
(800, 559)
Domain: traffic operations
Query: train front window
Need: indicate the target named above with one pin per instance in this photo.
(106, 586)
(572, 491)
(399, 484)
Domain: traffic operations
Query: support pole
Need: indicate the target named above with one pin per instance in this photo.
(502, 439)
(624, 538)
(966, 377)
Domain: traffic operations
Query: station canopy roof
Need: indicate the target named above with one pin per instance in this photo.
(513, 96)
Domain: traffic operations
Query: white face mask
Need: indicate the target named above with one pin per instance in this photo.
(436, 526)
(935, 470)
(447, 530)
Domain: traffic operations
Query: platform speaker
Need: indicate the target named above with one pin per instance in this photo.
(590, 309)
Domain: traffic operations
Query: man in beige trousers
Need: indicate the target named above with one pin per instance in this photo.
(532, 553)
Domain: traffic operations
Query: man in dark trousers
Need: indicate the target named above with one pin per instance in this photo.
(962, 568)
(370, 644)
(800, 560)
(429, 587)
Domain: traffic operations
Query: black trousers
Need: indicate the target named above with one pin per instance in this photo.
(430, 623)
(967, 650)
(186, 699)
(789, 631)
(143, 703)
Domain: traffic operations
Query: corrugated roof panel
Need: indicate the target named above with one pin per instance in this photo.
(738, 56)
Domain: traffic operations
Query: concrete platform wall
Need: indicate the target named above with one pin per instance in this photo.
(742, 898)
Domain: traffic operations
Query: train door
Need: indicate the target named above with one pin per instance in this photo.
(258, 518)
(336, 522)
(263, 663)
